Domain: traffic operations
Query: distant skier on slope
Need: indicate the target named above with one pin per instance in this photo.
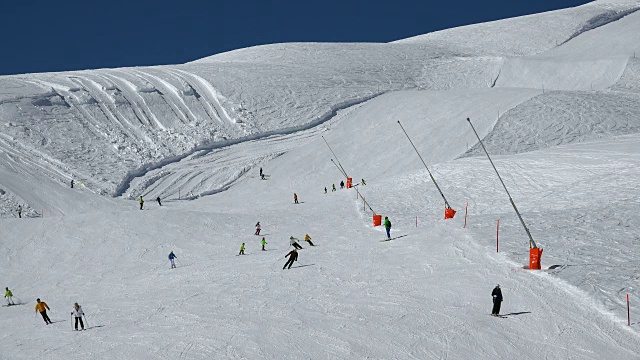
(387, 226)
(325, 189)
(141, 202)
(241, 249)
(78, 313)
(293, 256)
(497, 300)
(333, 187)
(261, 174)
(341, 184)
(72, 183)
(307, 238)
(363, 182)
(158, 200)
(295, 198)
(9, 295)
(294, 242)
(20, 211)
(258, 228)
(42, 308)
(263, 242)
(172, 258)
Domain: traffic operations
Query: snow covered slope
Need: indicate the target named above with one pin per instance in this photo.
(527, 35)
(196, 135)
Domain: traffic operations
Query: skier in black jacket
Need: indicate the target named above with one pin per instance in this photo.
(497, 300)
(293, 256)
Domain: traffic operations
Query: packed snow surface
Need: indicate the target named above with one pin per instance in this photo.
(555, 96)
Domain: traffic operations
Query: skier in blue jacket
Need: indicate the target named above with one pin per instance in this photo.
(172, 256)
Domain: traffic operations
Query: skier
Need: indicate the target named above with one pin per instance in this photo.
(72, 183)
(325, 189)
(42, 308)
(341, 184)
(497, 300)
(158, 200)
(78, 313)
(307, 238)
(293, 256)
(387, 226)
(261, 174)
(9, 295)
(141, 202)
(241, 249)
(172, 258)
(295, 198)
(20, 211)
(258, 228)
(263, 242)
(294, 242)
(333, 187)
(363, 182)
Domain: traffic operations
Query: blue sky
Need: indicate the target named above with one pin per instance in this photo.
(40, 36)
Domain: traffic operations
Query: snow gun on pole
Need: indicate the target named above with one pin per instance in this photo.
(334, 154)
(448, 212)
(532, 243)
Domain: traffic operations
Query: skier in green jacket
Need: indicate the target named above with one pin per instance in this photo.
(241, 249)
(387, 226)
(9, 295)
(263, 242)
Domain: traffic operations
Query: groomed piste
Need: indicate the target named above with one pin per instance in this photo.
(554, 97)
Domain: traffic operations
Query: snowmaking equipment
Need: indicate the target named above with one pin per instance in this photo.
(535, 253)
(377, 219)
(449, 213)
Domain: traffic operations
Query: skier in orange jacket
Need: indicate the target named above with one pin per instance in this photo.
(42, 308)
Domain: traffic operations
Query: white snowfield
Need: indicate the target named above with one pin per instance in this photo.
(197, 134)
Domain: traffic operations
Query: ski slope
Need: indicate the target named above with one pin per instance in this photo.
(196, 135)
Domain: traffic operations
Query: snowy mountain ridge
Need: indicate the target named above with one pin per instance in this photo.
(554, 96)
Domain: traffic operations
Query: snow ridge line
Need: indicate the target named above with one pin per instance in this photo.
(144, 169)
(209, 92)
(138, 101)
(171, 92)
(601, 20)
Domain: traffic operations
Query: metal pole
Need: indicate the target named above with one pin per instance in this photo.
(334, 154)
(497, 234)
(628, 311)
(466, 210)
(334, 163)
(532, 244)
(425, 165)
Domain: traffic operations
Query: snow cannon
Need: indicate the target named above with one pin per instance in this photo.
(449, 213)
(535, 255)
(349, 183)
(377, 220)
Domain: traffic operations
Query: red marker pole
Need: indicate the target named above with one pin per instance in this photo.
(628, 312)
(497, 233)
(466, 207)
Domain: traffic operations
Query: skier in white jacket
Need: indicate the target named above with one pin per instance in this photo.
(294, 242)
(78, 313)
